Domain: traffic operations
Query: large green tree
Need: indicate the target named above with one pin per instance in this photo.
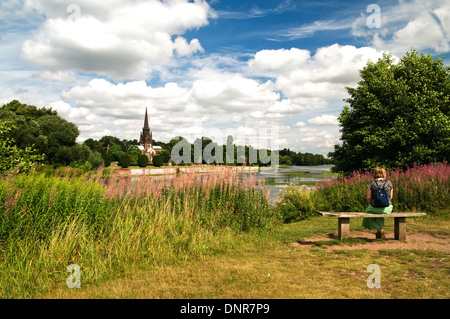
(42, 129)
(59, 136)
(11, 156)
(398, 115)
(25, 131)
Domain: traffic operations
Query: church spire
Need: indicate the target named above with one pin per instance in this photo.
(146, 126)
(146, 136)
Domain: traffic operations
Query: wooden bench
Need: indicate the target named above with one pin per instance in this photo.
(344, 221)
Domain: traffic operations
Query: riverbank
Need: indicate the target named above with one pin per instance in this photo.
(171, 170)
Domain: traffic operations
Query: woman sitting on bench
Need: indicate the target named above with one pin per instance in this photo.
(378, 188)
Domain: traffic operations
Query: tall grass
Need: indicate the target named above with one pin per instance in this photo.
(110, 225)
(422, 188)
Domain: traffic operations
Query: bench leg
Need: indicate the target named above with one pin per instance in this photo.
(343, 228)
(400, 228)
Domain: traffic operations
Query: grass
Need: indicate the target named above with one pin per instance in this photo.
(269, 266)
(192, 236)
(320, 174)
(107, 226)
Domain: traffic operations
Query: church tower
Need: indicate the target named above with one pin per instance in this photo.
(146, 140)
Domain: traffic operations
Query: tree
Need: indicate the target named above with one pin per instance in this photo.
(29, 112)
(11, 156)
(107, 141)
(95, 159)
(124, 160)
(42, 129)
(25, 130)
(142, 160)
(165, 154)
(116, 151)
(91, 143)
(397, 116)
(107, 159)
(157, 161)
(57, 134)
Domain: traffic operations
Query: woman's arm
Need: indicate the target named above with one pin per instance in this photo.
(392, 193)
(369, 194)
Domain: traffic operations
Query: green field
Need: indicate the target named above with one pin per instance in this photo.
(284, 264)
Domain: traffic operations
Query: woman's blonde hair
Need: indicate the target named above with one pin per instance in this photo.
(379, 172)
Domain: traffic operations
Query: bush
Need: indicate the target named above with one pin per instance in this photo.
(95, 159)
(142, 161)
(296, 203)
(107, 159)
(124, 160)
(158, 161)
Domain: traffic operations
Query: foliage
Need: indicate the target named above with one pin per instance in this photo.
(289, 157)
(12, 157)
(165, 155)
(419, 188)
(157, 161)
(45, 131)
(143, 160)
(95, 159)
(116, 151)
(296, 203)
(103, 225)
(398, 115)
(124, 160)
(107, 159)
(56, 137)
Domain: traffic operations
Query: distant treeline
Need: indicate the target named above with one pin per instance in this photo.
(52, 140)
(288, 157)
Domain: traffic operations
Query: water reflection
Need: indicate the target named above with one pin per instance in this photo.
(278, 179)
(274, 179)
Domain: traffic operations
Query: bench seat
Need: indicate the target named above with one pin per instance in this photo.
(344, 221)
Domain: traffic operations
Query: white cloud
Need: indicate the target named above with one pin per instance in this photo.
(187, 49)
(429, 29)
(235, 94)
(308, 30)
(123, 40)
(126, 100)
(309, 81)
(307, 85)
(278, 61)
(321, 139)
(324, 120)
(58, 76)
(424, 25)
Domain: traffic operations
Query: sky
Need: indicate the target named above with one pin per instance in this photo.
(272, 73)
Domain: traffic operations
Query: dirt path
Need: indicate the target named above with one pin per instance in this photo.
(416, 240)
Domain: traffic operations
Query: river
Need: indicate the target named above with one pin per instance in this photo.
(278, 179)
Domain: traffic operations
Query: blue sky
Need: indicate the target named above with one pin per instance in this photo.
(273, 69)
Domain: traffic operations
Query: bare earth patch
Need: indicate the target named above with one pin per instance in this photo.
(416, 240)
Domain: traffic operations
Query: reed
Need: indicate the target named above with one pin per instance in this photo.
(422, 188)
(110, 225)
